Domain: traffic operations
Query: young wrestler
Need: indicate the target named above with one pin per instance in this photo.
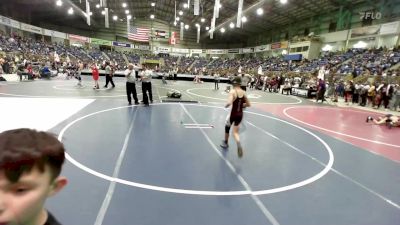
(389, 119)
(237, 98)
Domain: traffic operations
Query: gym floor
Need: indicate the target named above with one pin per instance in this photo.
(304, 162)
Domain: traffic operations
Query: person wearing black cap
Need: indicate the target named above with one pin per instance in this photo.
(238, 100)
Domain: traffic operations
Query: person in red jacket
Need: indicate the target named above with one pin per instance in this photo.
(95, 74)
(30, 72)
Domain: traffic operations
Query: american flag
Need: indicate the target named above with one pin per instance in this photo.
(139, 34)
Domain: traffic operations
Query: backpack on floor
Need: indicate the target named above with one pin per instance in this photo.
(174, 94)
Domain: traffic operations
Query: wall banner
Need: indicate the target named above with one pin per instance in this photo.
(247, 50)
(234, 51)
(78, 38)
(163, 50)
(10, 22)
(180, 50)
(31, 28)
(142, 47)
(59, 34)
(390, 28)
(53, 33)
(216, 51)
(121, 44)
(96, 41)
(276, 45)
(261, 48)
(196, 51)
(47, 32)
(284, 44)
(365, 31)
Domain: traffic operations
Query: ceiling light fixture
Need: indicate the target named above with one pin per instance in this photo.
(115, 17)
(129, 17)
(244, 19)
(151, 16)
(103, 12)
(97, 5)
(153, 4)
(203, 20)
(124, 5)
(197, 25)
(222, 30)
(260, 11)
(127, 12)
(220, 5)
(59, 3)
(186, 26)
(70, 11)
(177, 18)
(207, 28)
(283, 1)
(180, 13)
(231, 25)
(174, 23)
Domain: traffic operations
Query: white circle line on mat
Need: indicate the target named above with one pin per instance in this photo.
(200, 192)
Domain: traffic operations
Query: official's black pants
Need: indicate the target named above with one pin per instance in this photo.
(131, 90)
(109, 79)
(146, 87)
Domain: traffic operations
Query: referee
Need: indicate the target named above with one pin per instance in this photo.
(146, 86)
(130, 84)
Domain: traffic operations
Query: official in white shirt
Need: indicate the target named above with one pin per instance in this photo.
(145, 76)
(130, 84)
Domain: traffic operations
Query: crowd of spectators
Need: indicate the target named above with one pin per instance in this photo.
(15, 50)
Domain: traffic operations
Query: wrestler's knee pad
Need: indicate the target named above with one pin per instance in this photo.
(227, 128)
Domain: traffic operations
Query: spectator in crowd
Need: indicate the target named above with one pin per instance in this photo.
(396, 97)
(321, 88)
(348, 91)
(95, 75)
(21, 71)
(45, 72)
(356, 94)
(371, 95)
(364, 93)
